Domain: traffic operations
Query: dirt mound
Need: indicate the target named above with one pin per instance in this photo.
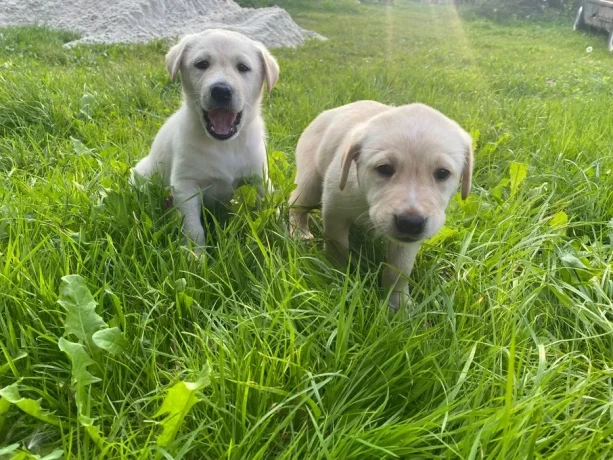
(137, 21)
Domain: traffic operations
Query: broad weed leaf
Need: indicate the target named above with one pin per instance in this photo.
(559, 219)
(4, 408)
(497, 191)
(475, 134)
(80, 360)
(87, 104)
(244, 196)
(186, 300)
(53, 455)
(176, 405)
(570, 260)
(9, 449)
(180, 284)
(93, 431)
(111, 340)
(5, 405)
(80, 375)
(579, 266)
(280, 171)
(29, 406)
(81, 318)
(26, 455)
(443, 234)
(79, 147)
(518, 172)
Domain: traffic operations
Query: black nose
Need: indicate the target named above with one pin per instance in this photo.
(221, 93)
(410, 225)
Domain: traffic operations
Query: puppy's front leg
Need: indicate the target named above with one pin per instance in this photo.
(189, 202)
(400, 259)
(336, 231)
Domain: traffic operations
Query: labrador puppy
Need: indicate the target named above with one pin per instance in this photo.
(216, 140)
(394, 168)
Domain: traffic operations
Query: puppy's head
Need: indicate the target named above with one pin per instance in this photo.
(222, 73)
(410, 161)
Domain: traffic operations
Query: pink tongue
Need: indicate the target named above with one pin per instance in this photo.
(222, 120)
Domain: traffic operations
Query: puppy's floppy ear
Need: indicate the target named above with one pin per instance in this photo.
(175, 56)
(270, 67)
(351, 152)
(467, 172)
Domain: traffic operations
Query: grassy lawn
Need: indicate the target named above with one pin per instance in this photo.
(265, 350)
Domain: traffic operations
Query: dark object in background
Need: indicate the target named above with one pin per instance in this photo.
(597, 14)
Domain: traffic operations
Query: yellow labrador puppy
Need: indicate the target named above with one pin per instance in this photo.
(217, 138)
(394, 167)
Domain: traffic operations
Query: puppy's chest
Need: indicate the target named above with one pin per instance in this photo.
(218, 173)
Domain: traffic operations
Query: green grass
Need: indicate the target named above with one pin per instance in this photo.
(507, 353)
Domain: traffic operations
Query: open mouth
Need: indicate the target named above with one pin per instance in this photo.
(405, 239)
(221, 123)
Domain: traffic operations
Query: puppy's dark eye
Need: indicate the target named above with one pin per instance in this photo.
(386, 170)
(243, 68)
(441, 174)
(202, 65)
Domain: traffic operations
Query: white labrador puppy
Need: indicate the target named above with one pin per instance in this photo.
(393, 167)
(217, 138)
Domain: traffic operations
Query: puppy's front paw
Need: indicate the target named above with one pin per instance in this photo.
(300, 233)
(194, 234)
(194, 242)
(337, 253)
(394, 301)
(298, 227)
(399, 300)
(196, 254)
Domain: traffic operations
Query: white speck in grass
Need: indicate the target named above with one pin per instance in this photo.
(588, 49)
